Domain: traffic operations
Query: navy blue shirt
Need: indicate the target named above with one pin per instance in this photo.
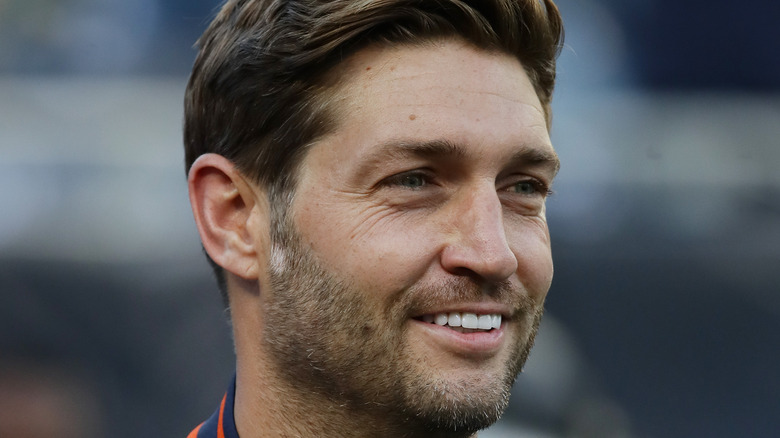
(221, 424)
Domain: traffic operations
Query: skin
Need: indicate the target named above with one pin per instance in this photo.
(428, 197)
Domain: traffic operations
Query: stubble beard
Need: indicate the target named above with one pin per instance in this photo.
(327, 342)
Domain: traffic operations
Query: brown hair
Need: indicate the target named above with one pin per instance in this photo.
(259, 92)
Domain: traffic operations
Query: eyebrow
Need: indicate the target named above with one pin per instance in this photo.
(538, 157)
(422, 149)
(528, 155)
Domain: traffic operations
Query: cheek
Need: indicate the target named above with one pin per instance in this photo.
(372, 251)
(531, 246)
(390, 260)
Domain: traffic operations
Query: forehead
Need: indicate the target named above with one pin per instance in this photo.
(441, 90)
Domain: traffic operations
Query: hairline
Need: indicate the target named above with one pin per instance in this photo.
(333, 82)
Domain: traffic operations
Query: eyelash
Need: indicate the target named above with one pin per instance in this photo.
(539, 187)
(399, 179)
(426, 179)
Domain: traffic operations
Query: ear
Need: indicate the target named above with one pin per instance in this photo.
(226, 209)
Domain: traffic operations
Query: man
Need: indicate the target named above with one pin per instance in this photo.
(369, 180)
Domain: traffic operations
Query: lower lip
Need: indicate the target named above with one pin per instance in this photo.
(477, 343)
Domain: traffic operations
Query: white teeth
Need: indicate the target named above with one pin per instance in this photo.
(485, 322)
(465, 320)
(470, 321)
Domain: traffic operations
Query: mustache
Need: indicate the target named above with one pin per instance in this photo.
(455, 290)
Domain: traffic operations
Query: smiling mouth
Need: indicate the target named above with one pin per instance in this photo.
(464, 322)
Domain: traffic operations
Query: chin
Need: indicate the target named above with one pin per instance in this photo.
(462, 405)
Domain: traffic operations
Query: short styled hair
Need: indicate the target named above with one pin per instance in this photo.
(260, 91)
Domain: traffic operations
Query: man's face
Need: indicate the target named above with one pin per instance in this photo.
(425, 204)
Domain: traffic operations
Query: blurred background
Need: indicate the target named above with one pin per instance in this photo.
(664, 315)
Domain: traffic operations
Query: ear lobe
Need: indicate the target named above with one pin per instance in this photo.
(223, 204)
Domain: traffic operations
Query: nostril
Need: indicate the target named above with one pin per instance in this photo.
(479, 264)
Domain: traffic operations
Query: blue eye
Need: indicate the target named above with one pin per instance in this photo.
(411, 181)
(525, 188)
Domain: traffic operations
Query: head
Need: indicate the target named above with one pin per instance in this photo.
(263, 87)
(360, 170)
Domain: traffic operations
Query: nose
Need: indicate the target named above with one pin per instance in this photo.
(478, 245)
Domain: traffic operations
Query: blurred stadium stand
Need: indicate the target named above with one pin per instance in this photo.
(664, 315)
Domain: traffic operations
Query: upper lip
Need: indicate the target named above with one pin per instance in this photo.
(481, 308)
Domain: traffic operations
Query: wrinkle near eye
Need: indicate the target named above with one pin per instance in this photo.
(536, 221)
(377, 217)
